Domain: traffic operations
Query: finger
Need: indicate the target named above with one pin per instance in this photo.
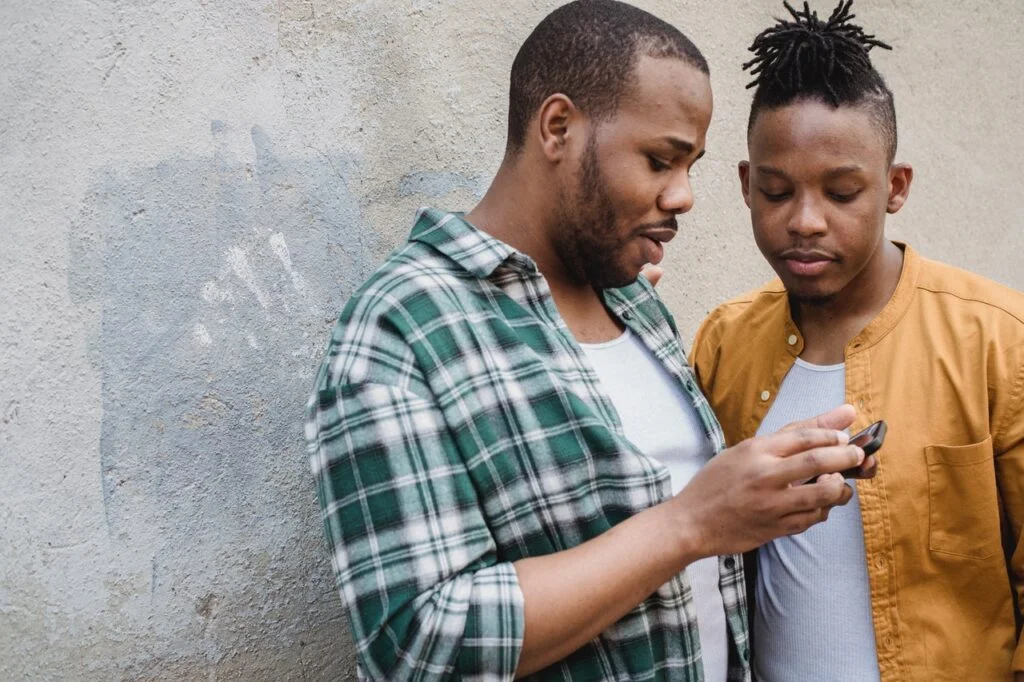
(653, 273)
(844, 496)
(787, 443)
(815, 462)
(838, 419)
(798, 522)
(830, 490)
(868, 468)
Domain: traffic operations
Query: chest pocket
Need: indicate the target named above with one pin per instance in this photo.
(963, 506)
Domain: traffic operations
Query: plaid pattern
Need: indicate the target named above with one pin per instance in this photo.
(457, 427)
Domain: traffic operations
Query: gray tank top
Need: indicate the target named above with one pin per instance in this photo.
(813, 604)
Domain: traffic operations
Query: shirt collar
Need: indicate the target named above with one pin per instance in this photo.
(481, 254)
(897, 306)
(882, 323)
(471, 248)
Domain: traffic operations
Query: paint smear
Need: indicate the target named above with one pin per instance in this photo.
(201, 335)
(280, 247)
(239, 263)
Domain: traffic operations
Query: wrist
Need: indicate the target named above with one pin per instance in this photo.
(684, 530)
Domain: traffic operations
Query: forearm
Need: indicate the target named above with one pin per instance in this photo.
(572, 596)
(740, 500)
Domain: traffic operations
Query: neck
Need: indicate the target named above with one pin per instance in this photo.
(829, 327)
(510, 211)
(518, 209)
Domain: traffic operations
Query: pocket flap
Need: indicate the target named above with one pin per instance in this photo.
(959, 455)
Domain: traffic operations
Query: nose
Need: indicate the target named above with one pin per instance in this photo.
(808, 218)
(677, 196)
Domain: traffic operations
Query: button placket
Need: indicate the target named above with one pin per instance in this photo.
(877, 532)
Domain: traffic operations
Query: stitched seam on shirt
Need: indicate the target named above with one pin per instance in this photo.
(972, 300)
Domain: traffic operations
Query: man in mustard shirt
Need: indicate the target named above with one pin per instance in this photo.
(920, 576)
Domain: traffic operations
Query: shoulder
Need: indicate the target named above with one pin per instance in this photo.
(959, 292)
(412, 292)
(739, 315)
(413, 287)
(734, 329)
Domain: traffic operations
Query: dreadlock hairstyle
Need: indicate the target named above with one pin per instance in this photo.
(828, 61)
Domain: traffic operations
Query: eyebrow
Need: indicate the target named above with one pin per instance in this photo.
(843, 170)
(768, 170)
(831, 173)
(682, 145)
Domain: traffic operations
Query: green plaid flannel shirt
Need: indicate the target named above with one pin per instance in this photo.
(456, 427)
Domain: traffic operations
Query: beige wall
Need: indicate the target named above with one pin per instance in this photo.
(190, 190)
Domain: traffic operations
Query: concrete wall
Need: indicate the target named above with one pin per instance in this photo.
(190, 189)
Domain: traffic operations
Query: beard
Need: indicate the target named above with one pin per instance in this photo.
(813, 300)
(587, 235)
(814, 294)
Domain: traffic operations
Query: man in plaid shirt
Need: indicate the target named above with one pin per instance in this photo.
(489, 501)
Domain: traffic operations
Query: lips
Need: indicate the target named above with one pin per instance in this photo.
(653, 250)
(806, 262)
(654, 239)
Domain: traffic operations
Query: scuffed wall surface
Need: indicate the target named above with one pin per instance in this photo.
(190, 190)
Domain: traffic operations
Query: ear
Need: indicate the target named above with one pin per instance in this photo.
(556, 117)
(900, 177)
(744, 169)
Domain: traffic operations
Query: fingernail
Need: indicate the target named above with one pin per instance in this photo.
(843, 436)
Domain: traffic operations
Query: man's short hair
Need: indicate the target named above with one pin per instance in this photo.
(588, 50)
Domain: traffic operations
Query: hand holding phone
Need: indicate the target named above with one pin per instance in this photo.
(869, 440)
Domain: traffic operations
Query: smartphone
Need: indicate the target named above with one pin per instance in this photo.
(870, 439)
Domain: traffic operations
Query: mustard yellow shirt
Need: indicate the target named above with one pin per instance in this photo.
(943, 364)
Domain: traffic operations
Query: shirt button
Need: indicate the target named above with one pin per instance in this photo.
(792, 340)
(889, 642)
(730, 563)
(627, 315)
(880, 562)
(765, 395)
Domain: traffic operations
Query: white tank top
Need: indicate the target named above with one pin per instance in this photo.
(659, 419)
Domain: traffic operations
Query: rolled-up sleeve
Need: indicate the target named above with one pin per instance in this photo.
(413, 557)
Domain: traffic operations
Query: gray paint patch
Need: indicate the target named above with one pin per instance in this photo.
(218, 282)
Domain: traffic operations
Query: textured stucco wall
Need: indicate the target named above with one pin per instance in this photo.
(189, 190)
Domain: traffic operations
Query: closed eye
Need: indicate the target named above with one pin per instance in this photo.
(657, 165)
(844, 198)
(775, 196)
